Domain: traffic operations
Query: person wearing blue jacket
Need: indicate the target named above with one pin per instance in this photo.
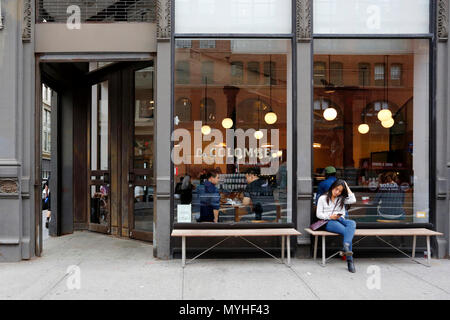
(324, 186)
(209, 198)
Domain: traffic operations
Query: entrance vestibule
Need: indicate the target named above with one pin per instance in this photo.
(102, 177)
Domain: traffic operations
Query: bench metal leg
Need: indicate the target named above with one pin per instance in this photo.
(414, 247)
(428, 250)
(316, 238)
(183, 251)
(323, 251)
(288, 240)
(282, 248)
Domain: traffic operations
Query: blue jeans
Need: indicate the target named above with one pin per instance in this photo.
(343, 227)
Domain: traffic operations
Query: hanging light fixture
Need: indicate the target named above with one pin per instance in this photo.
(227, 123)
(385, 114)
(363, 128)
(388, 123)
(205, 128)
(330, 114)
(258, 134)
(270, 117)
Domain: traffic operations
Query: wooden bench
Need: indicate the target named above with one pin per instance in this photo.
(284, 233)
(413, 232)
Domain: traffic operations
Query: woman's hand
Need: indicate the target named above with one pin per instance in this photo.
(335, 217)
(348, 189)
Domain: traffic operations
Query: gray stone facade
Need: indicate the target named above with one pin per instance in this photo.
(20, 184)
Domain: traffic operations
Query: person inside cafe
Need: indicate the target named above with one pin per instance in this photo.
(324, 186)
(258, 195)
(186, 190)
(209, 198)
(390, 198)
(331, 207)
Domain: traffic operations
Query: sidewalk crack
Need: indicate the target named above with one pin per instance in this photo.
(302, 280)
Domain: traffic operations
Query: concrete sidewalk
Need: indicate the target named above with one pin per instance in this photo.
(112, 268)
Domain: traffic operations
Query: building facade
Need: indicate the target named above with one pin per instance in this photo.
(148, 92)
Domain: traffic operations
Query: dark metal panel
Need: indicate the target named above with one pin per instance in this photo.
(66, 161)
(80, 157)
(97, 11)
(432, 122)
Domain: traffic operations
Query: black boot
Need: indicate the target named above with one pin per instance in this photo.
(351, 266)
(46, 222)
(347, 251)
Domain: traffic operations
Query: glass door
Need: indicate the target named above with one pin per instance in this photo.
(99, 157)
(141, 165)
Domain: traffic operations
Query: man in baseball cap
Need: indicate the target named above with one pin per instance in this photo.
(324, 186)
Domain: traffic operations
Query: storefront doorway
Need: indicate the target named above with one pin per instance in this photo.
(104, 155)
(120, 147)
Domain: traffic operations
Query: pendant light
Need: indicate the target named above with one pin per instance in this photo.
(385, 115)
(363, 128)
(205, 128)
(270, 117)
(329, 113)
(227, 123)
(258, 134)
(388, 123)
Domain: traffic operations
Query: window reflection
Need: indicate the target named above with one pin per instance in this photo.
(235, 85)
(372, 128)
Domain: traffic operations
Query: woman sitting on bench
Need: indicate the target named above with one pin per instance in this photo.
(331, 207)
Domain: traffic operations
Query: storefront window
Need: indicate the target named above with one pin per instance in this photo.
(374, 133)
(231, 118)
(371, 16)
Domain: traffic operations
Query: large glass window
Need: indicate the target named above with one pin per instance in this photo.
(235, 125)
(375, 133)
(371, 16)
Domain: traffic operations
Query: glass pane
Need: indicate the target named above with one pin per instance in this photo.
(100, 205)
(144, 119)
(234, 16)
(373, 131)
(143, 148)
(371, 16)
(99, 127)
(234, 122)
(143, 208)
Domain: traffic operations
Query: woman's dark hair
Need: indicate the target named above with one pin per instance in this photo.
(340, 200)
